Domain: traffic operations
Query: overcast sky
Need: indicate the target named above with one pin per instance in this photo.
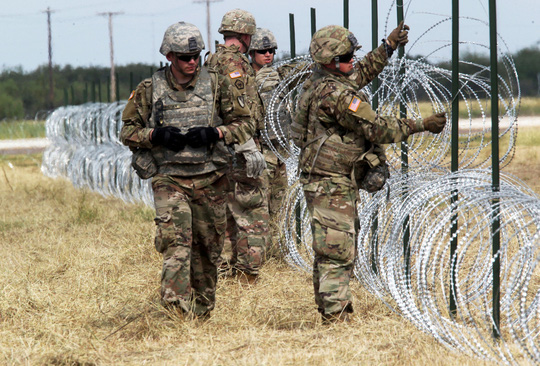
(80, 35)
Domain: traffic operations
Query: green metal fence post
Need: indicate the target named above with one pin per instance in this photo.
(455, 151)
(313, 22)
(374, 105)
(346, 13)
(404, 150)
(495, 227)
(293, 37)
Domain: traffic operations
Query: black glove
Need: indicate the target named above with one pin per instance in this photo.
(170, 137)
(201, 136)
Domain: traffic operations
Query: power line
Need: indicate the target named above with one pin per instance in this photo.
(113, 73)
(208, 19)
(51, 85)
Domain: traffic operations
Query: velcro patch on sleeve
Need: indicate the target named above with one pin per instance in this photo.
(235, 74)
(354, 104)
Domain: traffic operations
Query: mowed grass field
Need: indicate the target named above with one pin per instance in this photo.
(79, 285)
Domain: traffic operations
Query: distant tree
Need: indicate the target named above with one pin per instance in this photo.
(24, 94)
(11, 105)
(528, 68)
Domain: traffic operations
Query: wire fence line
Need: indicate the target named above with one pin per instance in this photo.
(85, 149)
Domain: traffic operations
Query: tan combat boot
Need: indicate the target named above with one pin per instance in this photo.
(245, 278)
(341, 317)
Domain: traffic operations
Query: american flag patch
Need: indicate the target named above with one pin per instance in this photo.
(235, 74)
(355, 103)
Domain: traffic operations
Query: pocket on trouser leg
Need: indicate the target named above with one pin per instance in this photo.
(335, 252)
(250, 254)
(248, 196)
(165, 232)
(333, 244)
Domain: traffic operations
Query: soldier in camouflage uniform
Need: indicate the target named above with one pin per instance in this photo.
(247, 201)
(177, 130)
(262, 51)
(333, 126)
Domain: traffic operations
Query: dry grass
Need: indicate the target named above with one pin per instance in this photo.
(79, 285)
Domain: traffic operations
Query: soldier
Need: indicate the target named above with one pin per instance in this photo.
(248, 204)
(333, 126)
(262, 51)
(177, 130)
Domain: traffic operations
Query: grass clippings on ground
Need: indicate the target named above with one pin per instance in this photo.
(79, 285)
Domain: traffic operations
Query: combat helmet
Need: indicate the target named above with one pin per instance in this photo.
(182, 37)
(263, 39)
(332, 41)
(237, 21)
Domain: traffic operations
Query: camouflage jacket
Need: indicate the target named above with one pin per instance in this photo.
(334, 124)
(237, 100)
(161, 101)
(268, 79)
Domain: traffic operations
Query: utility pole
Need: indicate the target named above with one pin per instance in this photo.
(208, 32)
(51, 85)
(113, 73)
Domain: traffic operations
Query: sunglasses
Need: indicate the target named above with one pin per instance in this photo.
(346, 58)
(269, 50)
(187, 58)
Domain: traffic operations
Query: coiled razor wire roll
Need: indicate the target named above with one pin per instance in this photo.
(425, 304)
(421, 294)
(425, 150)
(85, 148)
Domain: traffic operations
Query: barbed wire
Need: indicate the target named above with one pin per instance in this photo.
(415, 282)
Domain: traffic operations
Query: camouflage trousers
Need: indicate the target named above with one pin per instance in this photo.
(247, 218)
(332, 205)
(277, 188)
(191, 223)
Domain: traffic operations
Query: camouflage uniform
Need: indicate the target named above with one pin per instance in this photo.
(189, 185)
(267, 79)
(277, 188)
(333, 125)
(247, 202)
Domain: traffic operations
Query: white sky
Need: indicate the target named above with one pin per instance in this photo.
(80, 37)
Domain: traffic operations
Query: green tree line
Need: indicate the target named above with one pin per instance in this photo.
(26, 94)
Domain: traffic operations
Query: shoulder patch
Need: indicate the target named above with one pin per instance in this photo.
(235, 74)
(239, 84)
(354, 104)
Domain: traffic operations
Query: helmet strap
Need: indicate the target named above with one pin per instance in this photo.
(336, 60)
(256, 63)
(243, 43)
(252, 56)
